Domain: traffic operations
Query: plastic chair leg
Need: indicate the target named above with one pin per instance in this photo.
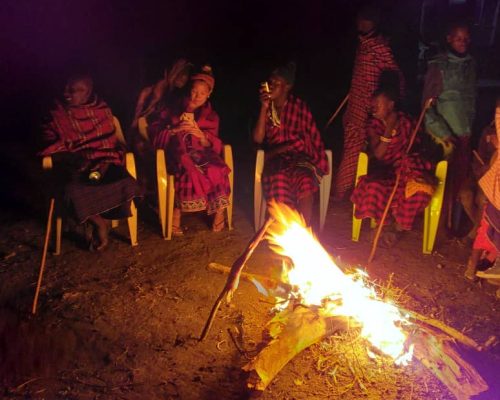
(263, 211)
(132, 224)
(324, 192)
(161, 176)
(356, 227)
(432, 212)
(228, 159)
(57, 250)
(170, 205)
(258, 202)
(361, 170)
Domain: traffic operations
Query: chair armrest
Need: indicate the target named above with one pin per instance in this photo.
(259, 165)
(142, 127)
(362, 168)
(228, 156)
(130, 164)
(119, 132)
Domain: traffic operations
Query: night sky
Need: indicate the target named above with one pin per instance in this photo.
(126, 44)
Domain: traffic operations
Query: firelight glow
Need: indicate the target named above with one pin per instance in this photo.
(320, 282)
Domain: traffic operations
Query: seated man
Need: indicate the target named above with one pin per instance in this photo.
(470, 195)
(295, 154)
(189, 133)
(487, 242)
(389, 132)
(89, 161)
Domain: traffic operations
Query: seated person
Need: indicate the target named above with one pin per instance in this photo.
(470, 195)
(487, 241)
(80, 136)
(166, 90)
(188, 131)
(388, 132)
(295, 154)
(164, 93)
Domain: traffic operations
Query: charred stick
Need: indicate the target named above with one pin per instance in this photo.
(234, 276)
(44, 255)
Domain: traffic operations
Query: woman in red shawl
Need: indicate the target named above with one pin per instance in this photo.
(389, 133)
(89, 161)
(189, 132)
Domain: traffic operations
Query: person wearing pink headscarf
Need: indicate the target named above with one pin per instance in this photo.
(189, 133)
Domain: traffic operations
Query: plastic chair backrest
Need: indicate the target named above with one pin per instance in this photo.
(142, 126)
(118, 131)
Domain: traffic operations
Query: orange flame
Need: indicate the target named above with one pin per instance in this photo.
(322, 283)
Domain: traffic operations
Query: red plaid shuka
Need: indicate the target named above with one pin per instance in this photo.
(372, 57)
(201, 175)
(373, 190)
(87, 130)
(295, 173)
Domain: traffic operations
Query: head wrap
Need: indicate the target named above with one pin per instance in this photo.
(206, 76)
(287, 72)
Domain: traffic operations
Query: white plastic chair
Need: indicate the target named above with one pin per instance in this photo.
(47, 164)
(259, 201)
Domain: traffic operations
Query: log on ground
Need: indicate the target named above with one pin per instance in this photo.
(290, 332)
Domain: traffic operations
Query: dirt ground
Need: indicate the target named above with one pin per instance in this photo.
(123, 324)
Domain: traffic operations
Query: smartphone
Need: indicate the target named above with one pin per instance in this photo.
(187, 116)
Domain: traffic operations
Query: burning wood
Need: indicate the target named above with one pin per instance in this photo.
(322, 300)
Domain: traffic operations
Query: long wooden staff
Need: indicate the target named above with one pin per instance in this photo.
(44, 254)
(234, 275)
(427, 105)
(339, 108)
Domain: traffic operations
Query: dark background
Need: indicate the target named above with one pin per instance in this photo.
(125, 45)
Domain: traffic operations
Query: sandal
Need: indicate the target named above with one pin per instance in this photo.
(219, 222)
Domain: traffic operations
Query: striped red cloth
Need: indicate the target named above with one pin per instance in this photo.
(86, 129)
(87, 133)
(373, 190)
(294, 173)
(373, 56)
(201, 175)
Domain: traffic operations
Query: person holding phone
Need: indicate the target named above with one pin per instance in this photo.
(295, 154)
(189, 133)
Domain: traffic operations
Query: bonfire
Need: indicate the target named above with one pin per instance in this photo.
(316, 299)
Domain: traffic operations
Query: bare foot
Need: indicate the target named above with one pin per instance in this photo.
(218, 224)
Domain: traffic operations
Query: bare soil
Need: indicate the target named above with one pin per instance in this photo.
(123, 324)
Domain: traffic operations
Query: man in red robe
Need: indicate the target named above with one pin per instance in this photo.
(373, 56)
(295, 154)
(89, 160)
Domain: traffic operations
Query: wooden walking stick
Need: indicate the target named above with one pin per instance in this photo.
(44, 254)
(339, 108)
(427, 105)
(234, 275)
